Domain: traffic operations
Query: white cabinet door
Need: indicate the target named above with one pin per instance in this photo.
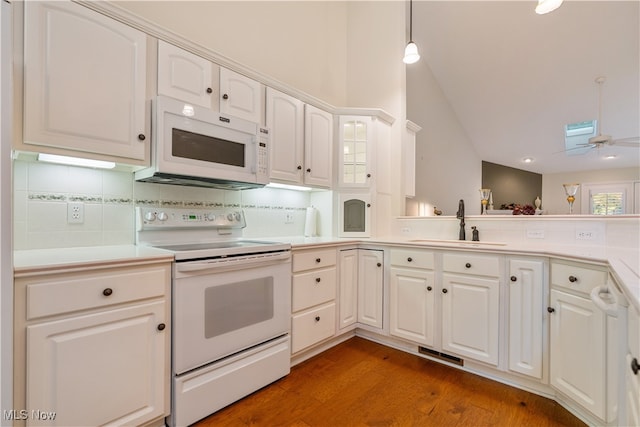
(318, 145)
(470, 313)
(412, 304)
(187, 77)
(526, 317)
(85, 82)
(122, 350)
(577, 341)
(370, 287)
(285, 119)
(632, 389)
(348, 297)
(241, 96)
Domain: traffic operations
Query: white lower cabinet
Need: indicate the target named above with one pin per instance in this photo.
(413, 309)
(632, 369)
(93, 346)
(412, 296)
(471, 306)
(578, 341)
(313, 297)
(101, 368)
(470, 314)
(348, 297)
(526, 316)
(361, 287)
(370, 287)
(577, 338)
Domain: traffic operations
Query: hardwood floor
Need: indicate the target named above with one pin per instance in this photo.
(361, 383)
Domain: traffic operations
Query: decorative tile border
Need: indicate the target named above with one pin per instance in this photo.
(200, 204)
(63, 198)
(194, 204)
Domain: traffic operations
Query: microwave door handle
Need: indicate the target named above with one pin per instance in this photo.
(239, 263)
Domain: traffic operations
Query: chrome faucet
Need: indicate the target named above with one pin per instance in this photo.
(460, 216)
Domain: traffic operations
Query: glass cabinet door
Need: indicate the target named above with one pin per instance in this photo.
(355, 151)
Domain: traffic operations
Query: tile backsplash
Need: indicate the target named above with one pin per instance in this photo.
(42, 192)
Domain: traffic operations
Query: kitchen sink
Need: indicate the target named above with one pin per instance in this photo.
(458, 242)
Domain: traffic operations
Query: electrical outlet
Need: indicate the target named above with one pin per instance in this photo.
(585, 235)
(535, 234)
(288, 218)
(75, 213)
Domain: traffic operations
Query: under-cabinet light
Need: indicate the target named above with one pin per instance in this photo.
(288, 187)
(75, 161)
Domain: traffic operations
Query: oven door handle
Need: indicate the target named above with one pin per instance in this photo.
(225, 264)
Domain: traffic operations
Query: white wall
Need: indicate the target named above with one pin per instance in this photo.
(300, 43)
(447, 166)
(554, 200)
(6, 254)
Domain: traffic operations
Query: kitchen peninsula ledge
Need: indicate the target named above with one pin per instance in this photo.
(44, 261)
(624, 263)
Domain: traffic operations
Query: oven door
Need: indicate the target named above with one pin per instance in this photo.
(218, 311)
(196, 141)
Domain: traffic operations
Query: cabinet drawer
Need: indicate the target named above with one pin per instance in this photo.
(578, 277)
(314, 259)
(412, 258)
(63, 294)
(312, 326)
(313, 288)
(478, 265)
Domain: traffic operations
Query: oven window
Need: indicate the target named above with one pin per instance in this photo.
(237, 305)
(195, 146)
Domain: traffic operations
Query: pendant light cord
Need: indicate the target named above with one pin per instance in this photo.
(410, 21)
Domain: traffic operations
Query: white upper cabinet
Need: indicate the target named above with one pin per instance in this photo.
(318, 143)
(354, 168)
(188, 77)
(241, 96)
(285, 119)
(85, 83)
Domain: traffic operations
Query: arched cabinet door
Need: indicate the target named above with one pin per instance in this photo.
(355, 215)
(85, 86)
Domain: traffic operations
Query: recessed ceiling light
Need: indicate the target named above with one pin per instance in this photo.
(528, 160)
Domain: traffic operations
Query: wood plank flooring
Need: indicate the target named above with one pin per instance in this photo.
(362, 383)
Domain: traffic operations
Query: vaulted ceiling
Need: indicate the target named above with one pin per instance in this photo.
(515, 78)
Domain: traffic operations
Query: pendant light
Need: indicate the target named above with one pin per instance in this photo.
(411, 54)
(546, 6)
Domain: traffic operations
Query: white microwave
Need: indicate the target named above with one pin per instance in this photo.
(196, 146)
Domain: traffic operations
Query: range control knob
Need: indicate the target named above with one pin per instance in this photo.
(210, 217)
(237, 216)
(230, 217)
(162, 216)
(150, 216)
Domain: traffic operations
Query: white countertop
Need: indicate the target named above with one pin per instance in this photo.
(38, 261)
(623, 262)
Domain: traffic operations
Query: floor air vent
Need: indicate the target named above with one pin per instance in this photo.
(441, 356)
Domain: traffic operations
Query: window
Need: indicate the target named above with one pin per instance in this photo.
(607, 199)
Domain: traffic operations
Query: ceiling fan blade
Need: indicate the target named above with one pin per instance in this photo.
(583, 147)
(627, 142)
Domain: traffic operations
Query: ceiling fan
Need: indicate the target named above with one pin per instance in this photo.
(599, 140)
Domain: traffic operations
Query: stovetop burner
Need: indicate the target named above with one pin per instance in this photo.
(196, 234)
(217, 245)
